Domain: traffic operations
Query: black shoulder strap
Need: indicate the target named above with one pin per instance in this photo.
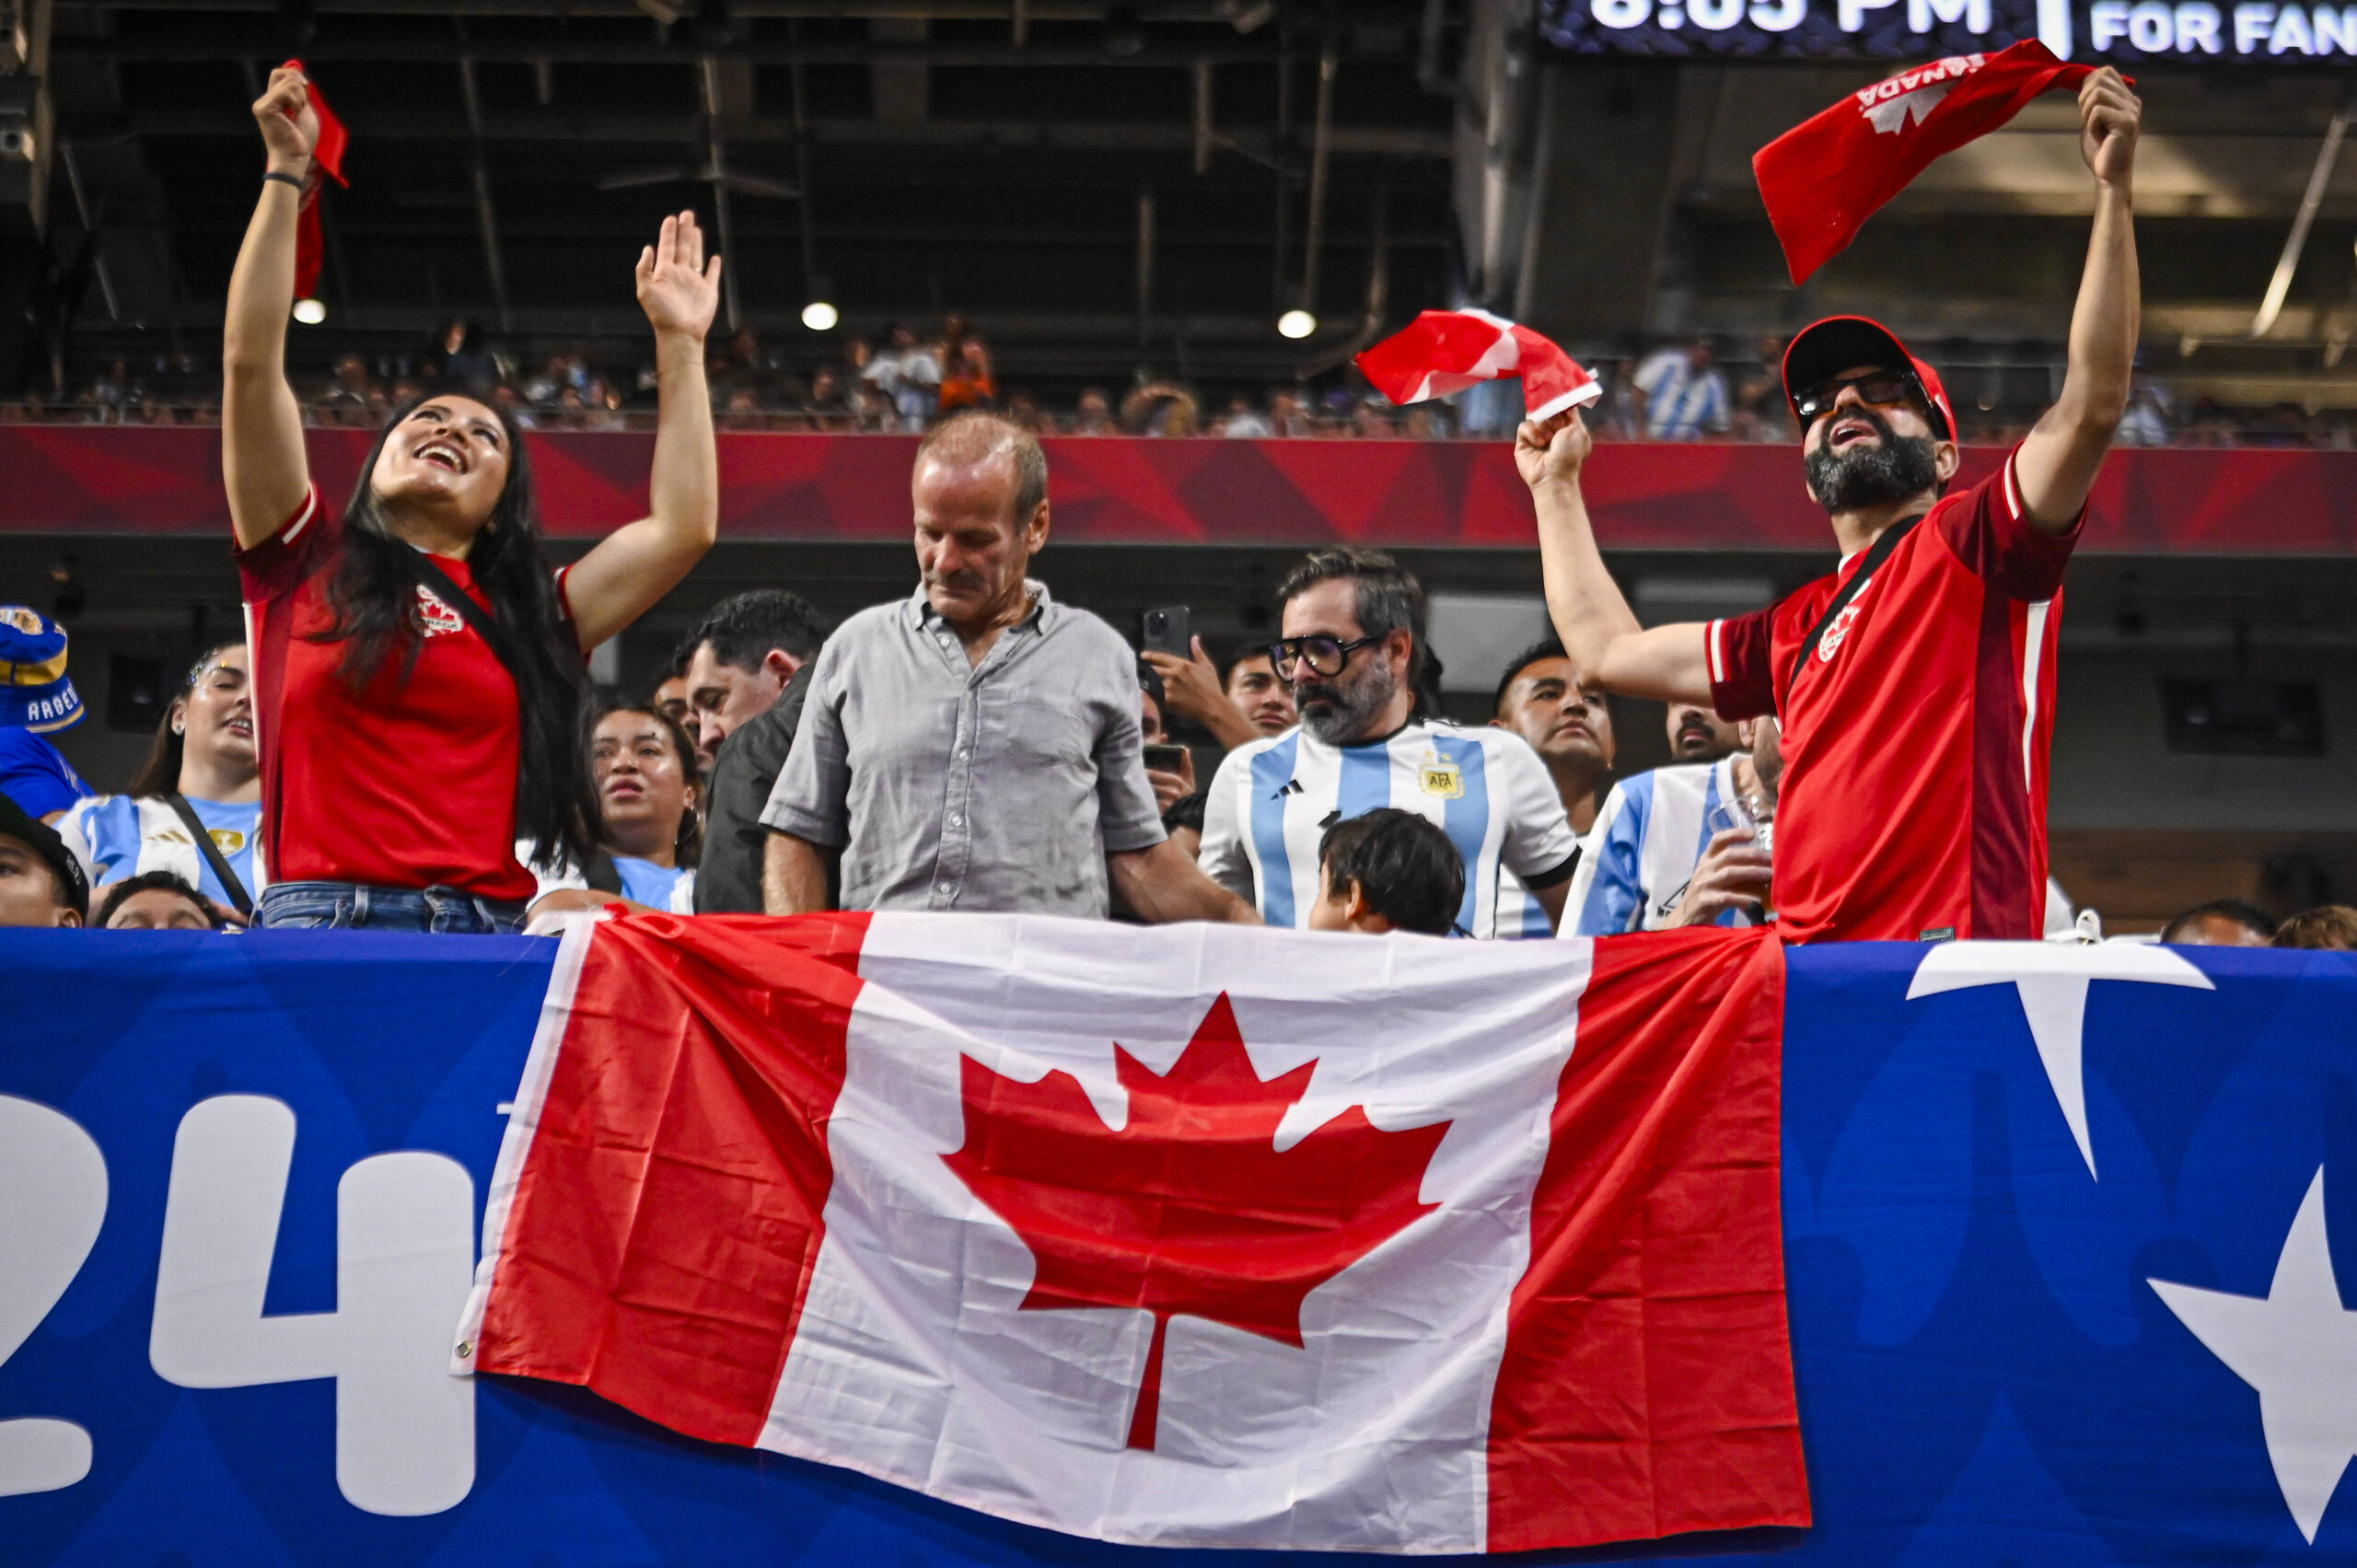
(602, 875)
(210, 851)
(1876, 553)
(457, 598)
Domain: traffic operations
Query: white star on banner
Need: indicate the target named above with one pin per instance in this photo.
(2051, 978)
(2298, 1347)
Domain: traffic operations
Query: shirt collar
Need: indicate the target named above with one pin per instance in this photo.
(920, 616)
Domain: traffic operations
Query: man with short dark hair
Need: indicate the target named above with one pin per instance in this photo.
(1915, 683)
(157, 900)
(1250, 703)
(41, 882)
(1572, 732)
(2221, 923)
(745, 670)
(1352, 648)
(977, 745)
(1389, 870)
(1697, 735)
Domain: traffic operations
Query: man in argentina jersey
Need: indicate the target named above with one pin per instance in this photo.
(1353, 637)
(1641, 861)
(1539, 699)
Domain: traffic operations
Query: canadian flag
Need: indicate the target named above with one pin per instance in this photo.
(1446, 350)
(1823, 179)
(1201, 1235)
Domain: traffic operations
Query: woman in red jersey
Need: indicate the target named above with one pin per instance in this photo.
(419, 689)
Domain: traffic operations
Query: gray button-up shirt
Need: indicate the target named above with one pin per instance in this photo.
(1001, 785)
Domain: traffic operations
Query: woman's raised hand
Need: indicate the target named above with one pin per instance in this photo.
(677, 287)
(290, 127)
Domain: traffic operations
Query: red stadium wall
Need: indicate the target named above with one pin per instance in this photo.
(78, 479)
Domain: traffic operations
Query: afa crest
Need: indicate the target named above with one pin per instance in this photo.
(1443, 780)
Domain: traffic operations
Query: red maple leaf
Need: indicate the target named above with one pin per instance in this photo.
(1189, 1207)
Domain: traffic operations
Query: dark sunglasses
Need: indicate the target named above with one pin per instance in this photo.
(1877, 389)
(1323, 655)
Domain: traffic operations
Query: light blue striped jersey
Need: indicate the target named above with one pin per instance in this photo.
(1272, 801)
(118, 836)
(1643, 849)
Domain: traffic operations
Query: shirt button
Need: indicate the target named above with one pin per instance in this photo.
(941, 889)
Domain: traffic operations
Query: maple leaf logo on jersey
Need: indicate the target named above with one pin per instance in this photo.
(436, 619)
(1190, 1208)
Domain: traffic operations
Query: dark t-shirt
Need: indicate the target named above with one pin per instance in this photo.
(728, 878)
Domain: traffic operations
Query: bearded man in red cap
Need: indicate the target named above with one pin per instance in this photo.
(1915, 685)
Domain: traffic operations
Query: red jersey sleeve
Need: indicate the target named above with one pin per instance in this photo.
(1988, 528)
(1742, 663)
(285, 561)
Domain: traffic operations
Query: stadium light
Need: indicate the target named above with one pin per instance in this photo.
(1297, 323)
(310, 312)
(820, 315)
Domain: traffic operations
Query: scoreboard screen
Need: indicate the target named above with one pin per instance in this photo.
(2119, 32)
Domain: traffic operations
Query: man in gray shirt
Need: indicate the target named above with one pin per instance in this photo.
(976, 746)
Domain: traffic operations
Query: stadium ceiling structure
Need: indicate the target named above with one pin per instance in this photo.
(1115, 186)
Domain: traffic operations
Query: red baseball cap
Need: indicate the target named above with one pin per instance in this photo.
(1829, 347)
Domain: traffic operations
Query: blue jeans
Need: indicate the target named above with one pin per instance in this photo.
(348, 906)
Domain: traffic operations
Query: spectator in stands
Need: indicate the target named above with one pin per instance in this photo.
(1241, 421)
(1093, 415)
(1159, 408)
(1681, 395)
(644, 765)
(418, 680)
(965, 359)
(37, 701)
(2221, 922)
(1680, 846)
(1697, 735)
(41, 882)
(1250, 703)
(157, 900)
(1169, 785)
(2327, 927)
(1572, 732)
(462, 360)
(1388, 870)
(1918, 806)
(976, 747)
(748, 672)
(908, 376)
(1354, 650)
(194, 808)
(2146, 423)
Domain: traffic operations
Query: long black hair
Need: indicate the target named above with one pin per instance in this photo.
(160, 775)
(373, 593)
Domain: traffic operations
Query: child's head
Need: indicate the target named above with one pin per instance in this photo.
(1389, 870)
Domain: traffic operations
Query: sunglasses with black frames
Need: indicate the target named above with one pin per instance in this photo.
(1877, 389)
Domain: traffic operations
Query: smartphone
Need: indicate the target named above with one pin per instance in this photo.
(1166, 759)
(1170, 629)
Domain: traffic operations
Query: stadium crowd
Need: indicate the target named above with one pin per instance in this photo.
(408, 739)
(903, 382)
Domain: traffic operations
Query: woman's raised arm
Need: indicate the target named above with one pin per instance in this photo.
(638, 564)
(262, 427)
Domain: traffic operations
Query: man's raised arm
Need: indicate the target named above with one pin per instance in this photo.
(1608, 649)
(2059, 460)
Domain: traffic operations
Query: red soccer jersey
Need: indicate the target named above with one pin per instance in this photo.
(407, 783)
(1915, 735)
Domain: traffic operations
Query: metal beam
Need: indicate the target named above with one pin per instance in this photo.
(484, 216)
(247, 44)
(1321, 147)
(555, 126)
(1203, 11)
(2279, 285)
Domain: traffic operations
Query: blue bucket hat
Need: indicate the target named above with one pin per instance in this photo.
(34, 692)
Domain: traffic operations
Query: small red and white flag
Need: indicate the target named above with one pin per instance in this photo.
(1201, 1235)
(1446, 350)
(327, 162)
(1824, 177)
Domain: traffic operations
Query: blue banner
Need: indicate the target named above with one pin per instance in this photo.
(2066, 1229)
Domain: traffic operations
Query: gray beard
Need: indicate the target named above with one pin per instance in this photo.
(1345, 722)
(1896, 467)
